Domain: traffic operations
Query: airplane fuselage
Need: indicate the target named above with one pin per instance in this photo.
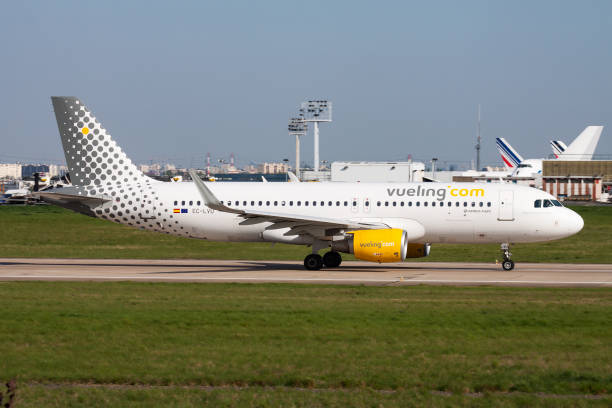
(447, 212)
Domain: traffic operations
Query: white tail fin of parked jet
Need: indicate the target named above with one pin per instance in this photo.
(558, 147)
(510, 156)
(583, 147)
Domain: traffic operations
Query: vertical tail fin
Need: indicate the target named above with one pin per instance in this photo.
(583, 147)
(510, 156)
(92, 156)
(558, 147)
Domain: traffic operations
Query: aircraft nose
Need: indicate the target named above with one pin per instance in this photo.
(575, 223)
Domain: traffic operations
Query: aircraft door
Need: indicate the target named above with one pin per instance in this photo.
(506, 206)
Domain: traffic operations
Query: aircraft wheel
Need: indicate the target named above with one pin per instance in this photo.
(313, 262)
(508, 265)
(332, 259)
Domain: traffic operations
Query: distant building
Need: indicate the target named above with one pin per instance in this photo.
(10, 171)
(377, 172)
(273, 168)
(28, 170)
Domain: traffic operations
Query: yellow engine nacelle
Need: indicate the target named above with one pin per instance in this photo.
(383, 245)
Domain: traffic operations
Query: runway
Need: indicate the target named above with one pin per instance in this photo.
(351, 272)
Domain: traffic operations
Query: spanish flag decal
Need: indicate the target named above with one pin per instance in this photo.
(176, 210)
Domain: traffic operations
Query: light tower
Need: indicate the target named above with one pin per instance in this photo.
(316, 111)
(297, 127)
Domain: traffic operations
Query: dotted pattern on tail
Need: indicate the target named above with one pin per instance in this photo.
(99, 167)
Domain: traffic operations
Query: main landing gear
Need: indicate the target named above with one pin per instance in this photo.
(507, 263)
(314, 262)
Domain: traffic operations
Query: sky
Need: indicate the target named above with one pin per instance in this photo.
(173, 81)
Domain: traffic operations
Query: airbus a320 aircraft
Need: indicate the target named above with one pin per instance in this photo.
(378, 222)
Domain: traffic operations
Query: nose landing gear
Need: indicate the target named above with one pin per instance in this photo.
(507, 264)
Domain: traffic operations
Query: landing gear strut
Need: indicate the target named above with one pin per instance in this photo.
(507, 264)
(313, 262)
(332, 259)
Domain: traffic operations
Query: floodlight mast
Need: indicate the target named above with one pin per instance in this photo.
(316, 111)
(297, 127)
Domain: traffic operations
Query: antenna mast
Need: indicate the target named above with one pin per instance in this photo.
(478, 143)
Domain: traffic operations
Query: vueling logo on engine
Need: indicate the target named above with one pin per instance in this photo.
(378, 245)
(439, 194)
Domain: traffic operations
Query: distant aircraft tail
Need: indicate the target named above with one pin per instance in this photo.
(558, 147)
(510, 156)
(92, 156)
(583, 147)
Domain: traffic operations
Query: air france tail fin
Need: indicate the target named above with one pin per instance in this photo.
(510, 156)
(583, 147)
(558, 147)
(92, 156)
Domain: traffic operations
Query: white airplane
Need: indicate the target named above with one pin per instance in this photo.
(582, 148)
(378, 222)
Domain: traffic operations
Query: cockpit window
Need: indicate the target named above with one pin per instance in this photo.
(537, 203)
(557, 203)
(547, 203)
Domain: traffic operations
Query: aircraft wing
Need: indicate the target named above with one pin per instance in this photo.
(297, 224)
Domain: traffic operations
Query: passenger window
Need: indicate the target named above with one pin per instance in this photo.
(489, 204)
(418, 203)
(537, 203)
(260, 203)
(267, 203)
(337, 203)
(367, 203)
(465, 203)
(386, 203)
(425, 203)
(330, 203)
(354, 203)
(346, 203)
(456, 203)
(473, 204)
(198, 203)
(449, 203)
(433, 203)
(481, 203)
(299, 203)
(290, 203)
(547, 203)
(378, 203)
(322, 203)
(275, 203)
(243, 203)
(314, 203)
(237, 202)
(176, 203)
(252, 202)
(394, 204)
(305, 203)
(283, 203)
(401, 203)
(182, 203)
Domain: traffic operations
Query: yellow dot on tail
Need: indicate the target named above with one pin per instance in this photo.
(85, 131)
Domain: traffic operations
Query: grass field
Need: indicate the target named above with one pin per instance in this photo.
(162, 344)
(46, 231)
